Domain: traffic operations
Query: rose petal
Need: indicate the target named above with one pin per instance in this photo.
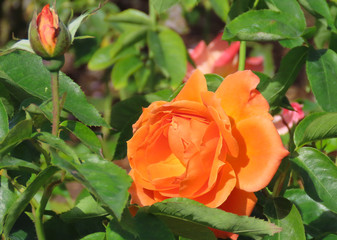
(240, 99)
(222, 120)
(261, 152)
(140, 196)
(193, 87)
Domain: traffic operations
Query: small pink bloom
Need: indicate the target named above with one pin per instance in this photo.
(220, 58)
(288, 118)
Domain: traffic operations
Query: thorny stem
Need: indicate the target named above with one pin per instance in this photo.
(40, 210)
(242, 56)
(56, 104)
(280, 181)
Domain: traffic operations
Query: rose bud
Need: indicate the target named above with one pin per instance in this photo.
(48, 36)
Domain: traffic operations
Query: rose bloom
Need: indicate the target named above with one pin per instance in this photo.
(220, 58)
(216, 148)
(288, 118)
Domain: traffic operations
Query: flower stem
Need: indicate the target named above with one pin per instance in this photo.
(242, 56)
(40, 210)
(55, 99)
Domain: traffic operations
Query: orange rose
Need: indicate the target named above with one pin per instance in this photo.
(215, 148)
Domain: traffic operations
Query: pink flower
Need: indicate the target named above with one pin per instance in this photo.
(220, 58)
(288, 118)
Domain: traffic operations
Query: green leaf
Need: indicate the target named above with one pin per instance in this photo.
(132, 16)
(115, 232)
(316, 217)
(122, 47)
(85, 134)
(162, 5)
(85, 208)
(285, 215)
(291, 43)
(16, 135)
(56, 143)
(169, 53)
(221, 8)
(105, 180)
(322, 8)
(20, 204)
(321, 70)
(330, 237)
(162, 95)
(4, 128)
(7, 196)
(95, 236)
(108, 55)
(319, 175)
(26, 71)
(190, 230)
(123, 115)
(151, 227)
(12, 163)
(316, 126)
(291, 65)
(123, 69)
(76, 23)
(213, 81)
(190, 211)
(23, 44)
(263, 25)
(124, 111)
(291, 8)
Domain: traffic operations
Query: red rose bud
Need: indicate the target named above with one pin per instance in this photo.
(48, 36)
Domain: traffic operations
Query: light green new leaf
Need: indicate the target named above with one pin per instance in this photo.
(94, 236)
(169, 53)
(131, 16)
(321, 69)
(4, 128)
(316, 126)
(85, 134)
(285, 215)
(194, 212)
(319, 174)
(26, 71)
(123, 47)
(162, 5)
(12, 163)
(123, 69)
(221, 8)
(86, 208)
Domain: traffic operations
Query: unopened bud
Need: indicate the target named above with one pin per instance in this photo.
(48, 36)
